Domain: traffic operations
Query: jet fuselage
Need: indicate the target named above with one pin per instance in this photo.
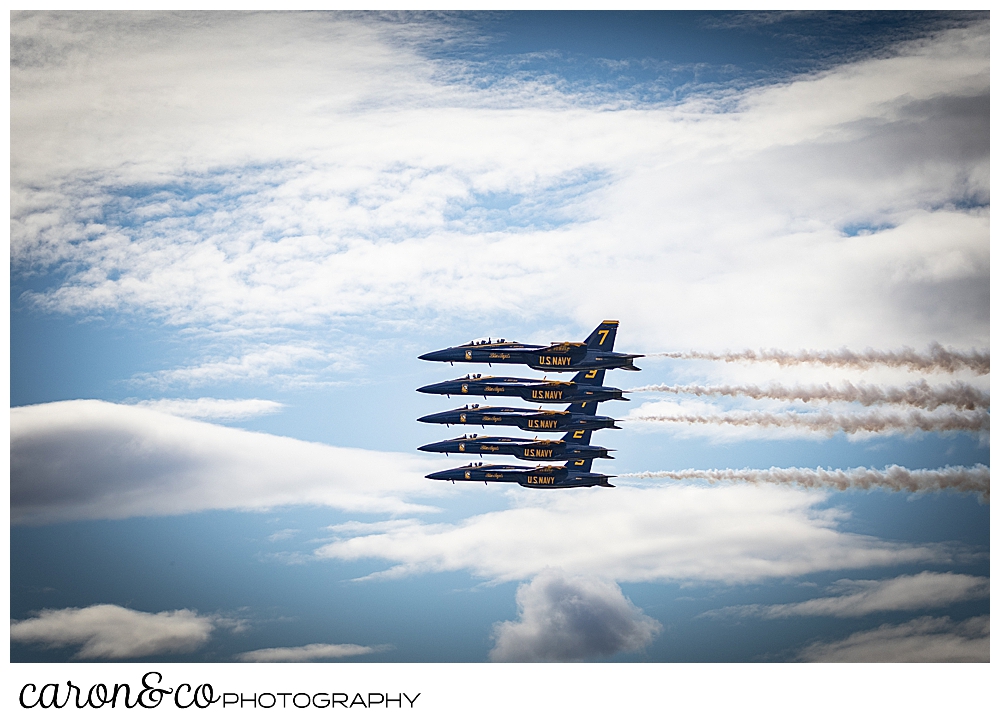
(544, 450)
(540, 391)
(563, 357)
(546, 477)
(530, 420)
(596, 352)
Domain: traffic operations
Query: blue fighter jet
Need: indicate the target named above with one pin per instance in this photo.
(594, 353)
(572, 474)
(573, 446)
(543, 391)
(574, 417)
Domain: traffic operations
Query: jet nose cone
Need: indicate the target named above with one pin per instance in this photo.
(434, 447)
(438, 475)
(440, 355)
(430, 388)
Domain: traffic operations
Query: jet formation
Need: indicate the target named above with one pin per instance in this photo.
(590, 359)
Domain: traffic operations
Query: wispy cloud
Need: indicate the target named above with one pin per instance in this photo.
(208, 408)
(864, 597)
(88, 459)
(564, 618)
(112, 632)
(284, 364)
(923, 640)
(307, 653)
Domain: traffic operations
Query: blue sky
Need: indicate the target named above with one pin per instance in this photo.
(232, 235)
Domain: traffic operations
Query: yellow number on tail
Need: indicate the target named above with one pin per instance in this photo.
(604, 335)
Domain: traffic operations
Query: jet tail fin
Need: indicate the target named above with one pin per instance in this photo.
(578, 436)
(581, 465)
(590, 377)
(603, 337)
(581, 436)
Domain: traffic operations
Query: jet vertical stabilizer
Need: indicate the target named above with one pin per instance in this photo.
(603, 337)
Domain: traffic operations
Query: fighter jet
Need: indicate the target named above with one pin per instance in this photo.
(594, 353)
(574, 417)
(572, 474)
(543, 391)
(573, 446)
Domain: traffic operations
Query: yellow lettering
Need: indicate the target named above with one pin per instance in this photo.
(591, 374)
(578, 434)
(542, 423)
(545, 394)
(555, 361)
(604, 335)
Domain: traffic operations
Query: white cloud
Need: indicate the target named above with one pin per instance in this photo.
(305, 653)
(564, 619)
(87, 459)
(112, 632)
(212, 176)
(208, 408)
(923, 640)
(288, 364)
(733, 534)
(864, 597)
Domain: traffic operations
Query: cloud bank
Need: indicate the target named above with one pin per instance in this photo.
(199, 172)
(733, 534)
(564, 619)
(111, 632)
(87, 459)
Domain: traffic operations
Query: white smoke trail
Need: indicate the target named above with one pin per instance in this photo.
(920, 394)
(963, 479)
(937, 358)
(832, 423)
